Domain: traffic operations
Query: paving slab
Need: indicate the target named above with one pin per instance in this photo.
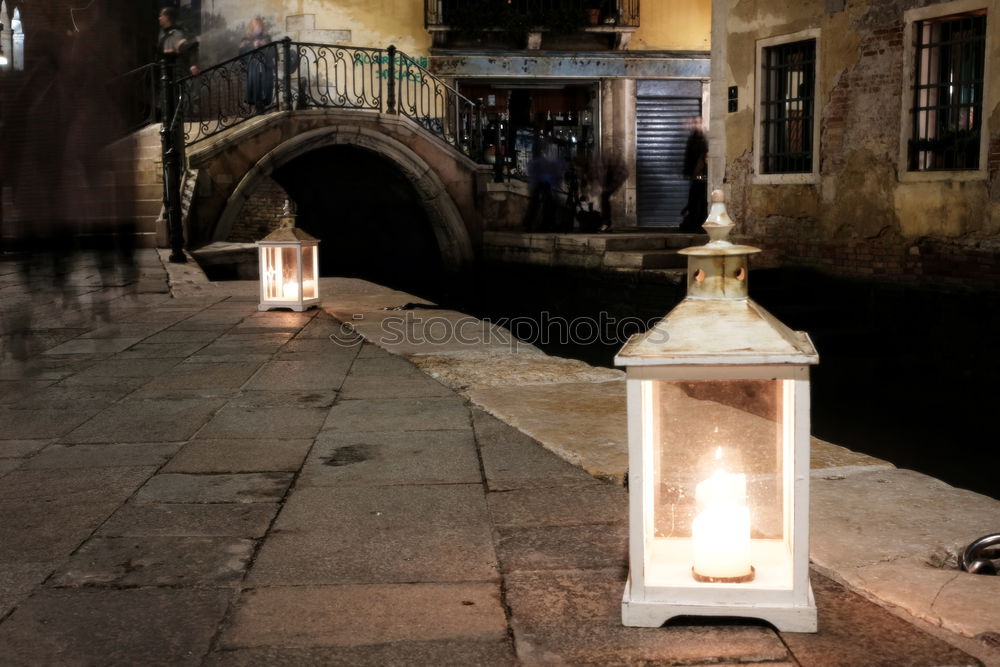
(14, 391)
(139, 626)
(381, 614)
(156, 561)
(195, 375)
(147, 421)
(48, 530)
(854, 631)
(124, 330)
(7, 465)
(97, 347)
(266, 487)
(559, 506)
(267, 342)
(260, 398)
(379, 534)
(574, 617)
(277, 320)
(577, 547)
(412, 384)
(103, 456)
(582, 422)
(68, 486)
(219, 456)
(18, 580)
(145, 350)
(44, 368)
(301, 375)
(374, 458)
(249, 520)
(380, 365)
(445, 652)
(304, 349)
(73, 398)
(182, 336)
(128, 368)
(512, 460)
(41, 423)
(236, 421)
(22, 448)
(398, 414)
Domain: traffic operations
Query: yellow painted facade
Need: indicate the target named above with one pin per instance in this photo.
(674, 25)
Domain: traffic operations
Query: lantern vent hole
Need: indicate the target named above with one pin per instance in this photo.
(699, 275)
(741, 273)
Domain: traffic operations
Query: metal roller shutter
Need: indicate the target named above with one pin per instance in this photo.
(662, 111)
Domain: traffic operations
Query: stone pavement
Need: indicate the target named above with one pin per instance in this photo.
(187, 481)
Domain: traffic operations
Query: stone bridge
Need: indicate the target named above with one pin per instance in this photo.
(227, 167)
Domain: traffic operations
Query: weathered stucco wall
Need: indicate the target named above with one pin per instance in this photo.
(683, 25)
(377, 23)
(863, 215)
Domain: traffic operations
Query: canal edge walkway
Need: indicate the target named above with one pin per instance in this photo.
(890, 534)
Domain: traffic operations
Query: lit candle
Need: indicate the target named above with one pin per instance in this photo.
(720, 533)
(290, 290)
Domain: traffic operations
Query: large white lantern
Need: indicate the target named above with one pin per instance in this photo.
(289, 267)
(718, 422)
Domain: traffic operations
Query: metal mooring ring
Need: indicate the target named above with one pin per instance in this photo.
(971, 562)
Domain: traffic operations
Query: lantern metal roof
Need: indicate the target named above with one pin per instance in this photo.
(717, 323)
(286, 231)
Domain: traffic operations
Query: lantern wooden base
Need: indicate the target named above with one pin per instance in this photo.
(291, 305)
(641, 614)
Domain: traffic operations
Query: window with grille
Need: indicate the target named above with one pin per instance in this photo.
(788, 74)
(948, 93)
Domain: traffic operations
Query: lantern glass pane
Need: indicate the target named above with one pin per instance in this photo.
(720, 487)
(310, 277)
(289, 273)
(273, 271)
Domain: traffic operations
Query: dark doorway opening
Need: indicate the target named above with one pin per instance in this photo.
(369, 218)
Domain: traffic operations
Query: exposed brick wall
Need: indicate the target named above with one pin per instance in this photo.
(850, 223)
(927, 261)
(260, 214)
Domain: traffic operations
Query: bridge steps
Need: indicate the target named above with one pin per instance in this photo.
(620, 251)
(137, 162)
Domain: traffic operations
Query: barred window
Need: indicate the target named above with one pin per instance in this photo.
(948, 93)
(788, 73)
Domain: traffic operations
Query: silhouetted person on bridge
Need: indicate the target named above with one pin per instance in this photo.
(260, 65)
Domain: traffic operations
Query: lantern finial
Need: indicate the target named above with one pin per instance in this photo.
(287, 215)
(718, 224)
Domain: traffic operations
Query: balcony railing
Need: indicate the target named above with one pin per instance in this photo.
(472, 15)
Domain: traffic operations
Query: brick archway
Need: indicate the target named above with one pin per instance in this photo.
(446, 221)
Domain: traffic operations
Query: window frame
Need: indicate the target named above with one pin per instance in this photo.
(911, 18)
(811, 176)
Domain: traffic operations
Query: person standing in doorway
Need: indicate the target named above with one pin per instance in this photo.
(696, 170)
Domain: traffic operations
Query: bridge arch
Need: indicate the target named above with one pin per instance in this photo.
(445, 219)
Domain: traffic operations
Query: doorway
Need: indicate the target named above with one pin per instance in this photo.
(664, 110)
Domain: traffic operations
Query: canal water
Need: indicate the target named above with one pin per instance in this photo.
(905, 374)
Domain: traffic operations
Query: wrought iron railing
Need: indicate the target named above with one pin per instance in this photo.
(436, 106)
(488, 14)
(287, 75)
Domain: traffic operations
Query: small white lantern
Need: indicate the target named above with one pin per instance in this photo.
(718, 422)
(289, 267)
